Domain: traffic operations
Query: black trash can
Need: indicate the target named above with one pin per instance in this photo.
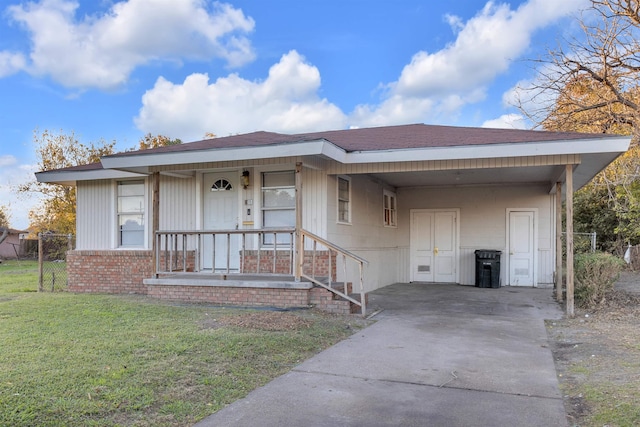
(487, 268)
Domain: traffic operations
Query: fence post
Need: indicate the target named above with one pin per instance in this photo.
(40, 262)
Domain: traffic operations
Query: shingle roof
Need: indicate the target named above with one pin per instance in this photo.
(379, 138)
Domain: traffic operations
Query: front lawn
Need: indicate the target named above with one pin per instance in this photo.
(106, 360)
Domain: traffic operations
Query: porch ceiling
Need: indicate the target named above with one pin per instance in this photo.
(519, 175)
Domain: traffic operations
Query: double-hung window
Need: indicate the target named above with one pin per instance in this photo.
(278, 203)
(344, 200)
(131, 214)
(389, 210)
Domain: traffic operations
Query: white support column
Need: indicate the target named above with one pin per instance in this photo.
(559, 241)
(569, 203)
(299, 250)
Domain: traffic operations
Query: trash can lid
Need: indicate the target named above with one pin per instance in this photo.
(488, 253)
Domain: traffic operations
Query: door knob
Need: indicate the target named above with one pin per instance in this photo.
(435, 251)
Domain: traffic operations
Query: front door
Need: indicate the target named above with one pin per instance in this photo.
(221, 213)
(434, 243)
(521, 248)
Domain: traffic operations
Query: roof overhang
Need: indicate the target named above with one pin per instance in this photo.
(595, 154)
(70, 177)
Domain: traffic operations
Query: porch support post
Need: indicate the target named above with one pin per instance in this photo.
(155, 222)
(569, 202)
(299, 250)
(559, 241)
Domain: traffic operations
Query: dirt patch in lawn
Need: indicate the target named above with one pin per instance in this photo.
(262, 320)
(597, 356)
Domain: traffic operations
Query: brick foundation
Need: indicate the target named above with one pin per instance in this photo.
(123, 272)
(283, 262)
(113, 272)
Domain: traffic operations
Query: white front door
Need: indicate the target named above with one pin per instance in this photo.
(521, 248)
(433, 248)
(221, 213)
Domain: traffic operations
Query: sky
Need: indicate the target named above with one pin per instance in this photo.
(117, 70)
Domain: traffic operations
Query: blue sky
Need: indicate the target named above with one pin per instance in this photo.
(116, 70)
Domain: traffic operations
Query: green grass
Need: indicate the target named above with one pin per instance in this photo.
(106, 360)
(613, 404)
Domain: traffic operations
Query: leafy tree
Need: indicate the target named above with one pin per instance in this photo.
(4, 216)
(594, 86)
(57, 210)
(155, 141)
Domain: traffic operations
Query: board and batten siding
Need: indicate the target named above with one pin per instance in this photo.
(177, 203)
(95, 215)
(314, 201)
(483, 221)
(366, 236)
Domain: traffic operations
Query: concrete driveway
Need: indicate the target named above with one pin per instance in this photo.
(438, 355)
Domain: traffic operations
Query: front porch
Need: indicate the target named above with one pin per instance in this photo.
(229, 267)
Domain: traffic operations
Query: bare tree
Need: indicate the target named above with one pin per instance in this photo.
(592, 83)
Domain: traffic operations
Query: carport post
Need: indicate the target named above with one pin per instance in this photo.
(298, 249)
(569, 192)
(155, 222)
(559, 241)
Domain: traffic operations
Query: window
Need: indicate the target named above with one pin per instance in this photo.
(344, 200)
(278, 203)
(390, 213)
(222, 185)
(131, 213)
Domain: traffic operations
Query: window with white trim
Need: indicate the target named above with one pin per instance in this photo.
(344, 200)
(278, 203)
(390, 212)
(131, 214)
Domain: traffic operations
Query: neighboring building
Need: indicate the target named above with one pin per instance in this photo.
(12, 247)
(415, 201)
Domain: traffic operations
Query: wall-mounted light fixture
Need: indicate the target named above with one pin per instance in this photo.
(244, 180)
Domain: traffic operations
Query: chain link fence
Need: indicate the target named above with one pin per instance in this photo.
(52, 261)
(582, 242)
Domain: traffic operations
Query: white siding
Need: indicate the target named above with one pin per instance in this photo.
(367, 236)
(483, 221)
(177, 203)
(95, 215)
(314, 201)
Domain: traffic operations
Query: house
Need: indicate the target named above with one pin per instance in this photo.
(362, 207)
(11, 246)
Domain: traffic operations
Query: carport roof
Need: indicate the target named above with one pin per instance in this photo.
(402, 143)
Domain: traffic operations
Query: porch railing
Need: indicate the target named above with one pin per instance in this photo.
(346, 258)
(228, 250)
(260, 251)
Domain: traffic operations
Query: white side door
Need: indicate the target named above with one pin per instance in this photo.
(221, 213)
(521, 248)
(433, 247)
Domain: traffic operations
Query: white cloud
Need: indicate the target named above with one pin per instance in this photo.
(286, 101)
(433, 87)
(102, 51)
(439, 84)
(13, 173)
(11, 62)
(506, 121)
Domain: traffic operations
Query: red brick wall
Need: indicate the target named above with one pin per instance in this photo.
(115, 272)
(269, 297)
(123, 271)
(283, 262)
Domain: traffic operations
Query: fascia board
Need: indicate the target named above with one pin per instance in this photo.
(70, 177)
(216, 155)
(581, 146)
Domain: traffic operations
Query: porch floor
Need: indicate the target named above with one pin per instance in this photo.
(271, 281)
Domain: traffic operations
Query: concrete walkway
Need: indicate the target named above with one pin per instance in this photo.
(438, 355)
